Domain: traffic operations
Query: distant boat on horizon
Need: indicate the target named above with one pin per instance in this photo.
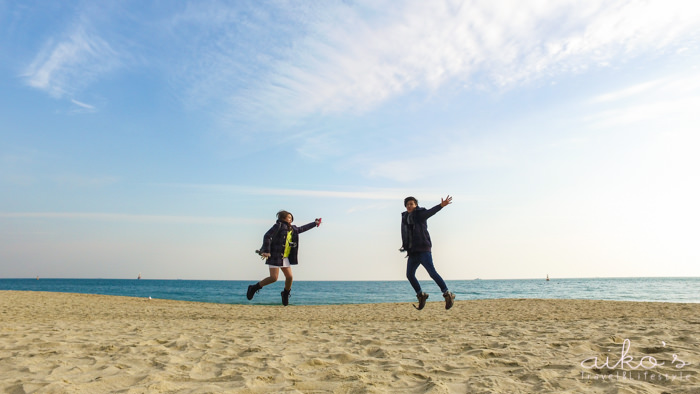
(140, 276)
(547, 277)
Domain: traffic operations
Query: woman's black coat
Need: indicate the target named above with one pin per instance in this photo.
(275, 239)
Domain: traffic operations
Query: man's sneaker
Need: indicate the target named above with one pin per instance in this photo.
(449, 299)
(285, 297)
(422, 297)
(252, 289)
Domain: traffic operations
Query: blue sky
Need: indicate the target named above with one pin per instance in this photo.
(163, 137)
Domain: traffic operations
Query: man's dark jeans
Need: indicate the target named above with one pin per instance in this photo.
(426, 260)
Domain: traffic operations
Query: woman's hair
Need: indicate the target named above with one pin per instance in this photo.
(281, 215)
(407, 199)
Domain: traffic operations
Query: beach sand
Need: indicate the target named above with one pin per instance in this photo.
(72, 343)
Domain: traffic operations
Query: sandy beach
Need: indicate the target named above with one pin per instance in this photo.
(71, 343)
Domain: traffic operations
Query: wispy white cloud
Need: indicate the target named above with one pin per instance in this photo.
(442, 159)
(69, 64)
(378, 195)
(82, 108)
(271, 65)
(119, 217)
(357, 57)
(82, 105)
(671, 101)
(668, 112)
(369, 194)
(628, 92)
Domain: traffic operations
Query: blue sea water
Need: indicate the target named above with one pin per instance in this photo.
(367, 292)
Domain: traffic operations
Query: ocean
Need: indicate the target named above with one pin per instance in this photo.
(367, 292)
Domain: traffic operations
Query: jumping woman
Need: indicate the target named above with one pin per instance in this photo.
(280, 249)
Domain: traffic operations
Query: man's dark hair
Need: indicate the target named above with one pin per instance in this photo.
(407, 199)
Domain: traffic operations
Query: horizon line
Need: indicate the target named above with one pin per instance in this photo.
(356, 280)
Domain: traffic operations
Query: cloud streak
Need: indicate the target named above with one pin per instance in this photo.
(378, 194)
(670, 100)
(83, 105)
(454, 158)
(131, 218)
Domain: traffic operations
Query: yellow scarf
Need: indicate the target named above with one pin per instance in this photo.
(287, 246)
